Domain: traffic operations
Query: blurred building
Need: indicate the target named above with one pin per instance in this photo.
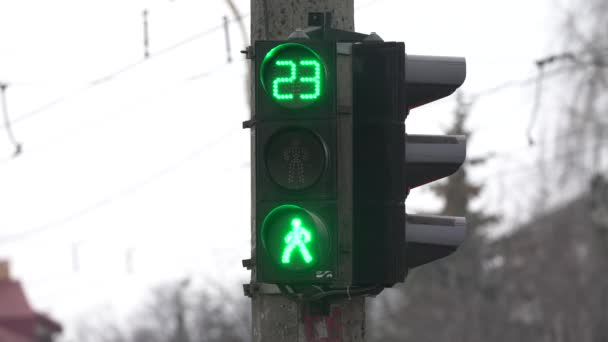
(18, 321)
(547, 281)
(550, 283)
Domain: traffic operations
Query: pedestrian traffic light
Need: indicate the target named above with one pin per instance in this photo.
(294, 238)
(295, 161)
(332, 164)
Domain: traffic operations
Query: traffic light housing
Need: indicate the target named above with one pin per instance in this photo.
(378, 144)
(432, 157)
(294, 156)
(387, 162)
(332, 164)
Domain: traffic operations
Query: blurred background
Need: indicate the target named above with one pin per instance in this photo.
(125, 181)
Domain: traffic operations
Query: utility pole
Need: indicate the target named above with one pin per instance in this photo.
(329, 154)
(275, 317)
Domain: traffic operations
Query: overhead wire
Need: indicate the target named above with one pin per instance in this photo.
(541, 76)
(53, 277)
(536, 103)
(114, 196)
(530, 167)
(109, 77)
(192, 78)
(538, 79)
(501, 174)
(517, 83)
(114, 74)
(519, 179)
(541, 64)
(128, 190)
(192, 38)
(7, 122)
(103, 202)
(510, 152)
(534, 79)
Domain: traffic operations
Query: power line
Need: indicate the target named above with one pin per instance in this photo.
(125, 68)
(534, 79)
(115, 196)
(509, 153)
(578, 62)
(126, 191)
(112, 75)
(517, 83)
(192, 78)
(538, 79)
(540, 64)
(529, 167)
(7, 122)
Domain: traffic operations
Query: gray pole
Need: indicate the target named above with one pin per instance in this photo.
(275, 317)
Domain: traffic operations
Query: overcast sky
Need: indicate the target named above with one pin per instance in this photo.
(153, 162)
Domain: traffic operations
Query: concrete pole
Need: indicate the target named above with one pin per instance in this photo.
(275, 317)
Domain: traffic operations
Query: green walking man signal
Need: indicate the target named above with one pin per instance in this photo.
(298, 237)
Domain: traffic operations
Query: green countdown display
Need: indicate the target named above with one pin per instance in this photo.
(295, 238)
(293, 75)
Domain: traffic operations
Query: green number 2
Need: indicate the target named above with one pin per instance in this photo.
(290, 79)
(314, 79)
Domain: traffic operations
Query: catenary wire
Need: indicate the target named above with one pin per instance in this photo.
(115, 196)
(110, 76)
(114, 74)
(531, 167)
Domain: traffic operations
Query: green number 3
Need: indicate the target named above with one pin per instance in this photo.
(315, 79)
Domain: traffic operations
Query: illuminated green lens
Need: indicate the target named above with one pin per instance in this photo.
(294, 238)
(293, 75)
(295, 241)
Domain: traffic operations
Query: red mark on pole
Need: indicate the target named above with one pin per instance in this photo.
(323, 328)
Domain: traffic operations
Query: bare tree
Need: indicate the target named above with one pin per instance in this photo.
(582, 131)
(175, 312)
(221, 317)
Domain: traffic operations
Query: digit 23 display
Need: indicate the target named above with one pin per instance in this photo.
(293, 75)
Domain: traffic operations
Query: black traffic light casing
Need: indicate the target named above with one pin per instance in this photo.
(387, 162)
(432, 157)
(378, 143)
(295, 161)
(335, 172)
(430, 238)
